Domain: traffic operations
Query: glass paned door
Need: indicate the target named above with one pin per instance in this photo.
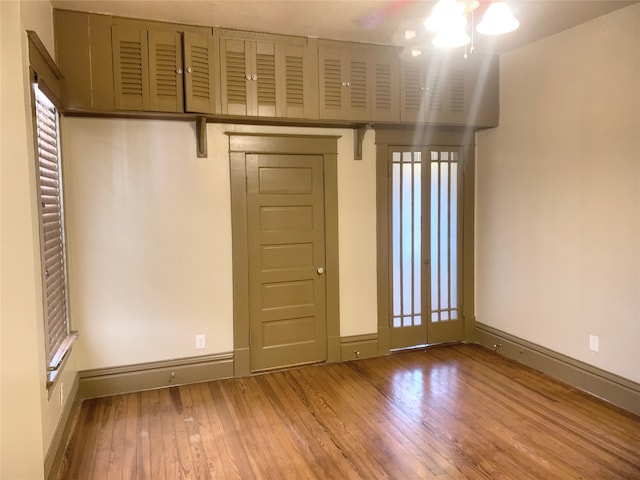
(424, 246)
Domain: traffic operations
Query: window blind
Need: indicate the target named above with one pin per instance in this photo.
(52, 232)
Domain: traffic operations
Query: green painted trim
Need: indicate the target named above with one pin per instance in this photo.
(608, 386)
(359, 346)
(242, 363)
(332, 248)
(146, 376)
(62, 434)
(333, 349)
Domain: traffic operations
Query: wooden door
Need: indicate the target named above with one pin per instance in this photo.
(130, 68)
(358, 74)
(444, 235)
(201, 65)
(412, 90)
(165, 71)
(385, 95)
(263, 79)
(236, 79)
(345, 81)
(286, 243)
(425, 239)
(297, 79)
(332, 103)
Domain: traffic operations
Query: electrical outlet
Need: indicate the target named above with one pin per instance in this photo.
(200, 341)
(594, 343)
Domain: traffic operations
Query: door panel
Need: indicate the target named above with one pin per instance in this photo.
(285, 216)
(200, 73)
(234, 69)
(165, 63)
(444, 323)
(131, 68)
(425, 244)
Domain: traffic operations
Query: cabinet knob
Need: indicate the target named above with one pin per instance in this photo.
(179, 71)
(248, 76)
(189, 69)
(255, 77)
(344, 84)
(348, 84)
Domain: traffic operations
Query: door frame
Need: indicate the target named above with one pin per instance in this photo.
(240, 145)
(424, 136)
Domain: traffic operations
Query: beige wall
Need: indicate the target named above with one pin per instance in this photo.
(28, 418)
(149, 235)
(558, 195)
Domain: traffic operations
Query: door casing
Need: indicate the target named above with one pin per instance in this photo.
(240, 145)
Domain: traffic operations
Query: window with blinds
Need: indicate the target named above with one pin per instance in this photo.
(58, 338)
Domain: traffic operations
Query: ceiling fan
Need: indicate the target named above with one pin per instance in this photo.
(449, 20)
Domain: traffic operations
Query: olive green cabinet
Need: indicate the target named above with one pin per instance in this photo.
(151, 73)
(83, 52)
(344, 81)
(358, 82)
(116, 64)
(385, 89)
(266, 76)
(450, 90)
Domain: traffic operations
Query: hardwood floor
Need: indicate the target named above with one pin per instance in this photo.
(446, 413)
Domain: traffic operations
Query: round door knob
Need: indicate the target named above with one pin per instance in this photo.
(189, 69)
(179, 71)
(320, 270)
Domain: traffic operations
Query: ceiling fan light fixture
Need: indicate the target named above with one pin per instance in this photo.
(452, 38)
(498, 19)
(446, 15)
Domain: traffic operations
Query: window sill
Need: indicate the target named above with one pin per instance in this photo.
(59, 361)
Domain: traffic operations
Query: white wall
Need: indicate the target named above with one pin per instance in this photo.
(149, 235)
(558, 195)
(28, 418)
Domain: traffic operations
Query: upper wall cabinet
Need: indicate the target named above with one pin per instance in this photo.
(267, 75)
(151, 74)
(358, 82)
(345, 81)
(450, 90)
(83, 51)
(385, 94)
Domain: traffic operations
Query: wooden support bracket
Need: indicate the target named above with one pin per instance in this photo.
(358, 137)
(201, 134)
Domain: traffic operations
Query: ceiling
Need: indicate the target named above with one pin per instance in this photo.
(370, 21)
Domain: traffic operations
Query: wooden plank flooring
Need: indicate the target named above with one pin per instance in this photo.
(446, 413)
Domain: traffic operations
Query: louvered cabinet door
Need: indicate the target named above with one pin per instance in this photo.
(200, 64)
(412, 90)
(130, 68)
(436, 96)
(262, 96)
(358, 74)
(332, 103)
(165, 71)
(456, 95)
(385, 95)
(297, 82)
(235, 84)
